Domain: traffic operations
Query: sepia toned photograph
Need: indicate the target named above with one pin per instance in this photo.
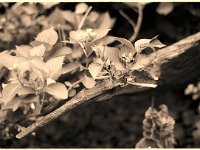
(99, 75)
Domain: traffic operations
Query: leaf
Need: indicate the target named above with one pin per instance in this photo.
(9, 61)
(124, 42)
(72, 92)
(144, 43)
(23, 67)
(156, 43)
(88, 49)
(95, 67)
(66, 69)
(50, 81)
(88, 82)
(9, 92)
(165, 8)
(62, 51)
(54, 65)
(105, 21)
(37, 63)
(68, 84)
(23, 50)
(142, 60)
(119, 66)
(37, 43)
(81, 8)
(57, 90)
(14, 104)
(113, 55)
(100, 33)
(23, 91)
(38, 51)
(49, 36)
(106, 40)
(100, 51)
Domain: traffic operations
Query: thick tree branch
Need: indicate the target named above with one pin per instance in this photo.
(82, 97)
(177, 63)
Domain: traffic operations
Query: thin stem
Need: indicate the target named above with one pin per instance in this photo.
(63, 36)
(74, 84)
(128, 18)
(139, 22)
(143, 84)
(84, 17)
(59, 33)
(87, 62)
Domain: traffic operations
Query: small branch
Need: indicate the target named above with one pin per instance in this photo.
(139, 22)
(82, 97)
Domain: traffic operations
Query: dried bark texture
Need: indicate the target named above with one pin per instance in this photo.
(177, 64)
(82, 97)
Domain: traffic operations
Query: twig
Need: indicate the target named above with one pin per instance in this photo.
(139, 22)
(82, 97)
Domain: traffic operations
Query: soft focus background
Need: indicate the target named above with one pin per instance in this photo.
(116, 123)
